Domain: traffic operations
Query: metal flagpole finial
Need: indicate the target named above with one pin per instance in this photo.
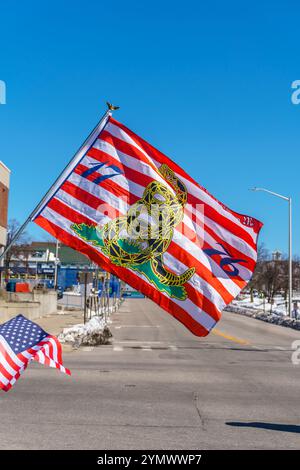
(111, 107)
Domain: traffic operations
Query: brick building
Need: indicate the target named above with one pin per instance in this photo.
(4, 189)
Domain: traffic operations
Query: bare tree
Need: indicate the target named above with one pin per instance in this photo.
(271, 276)
(263, 253)
(257, 280)
(18, 247)
(274, 278)
(296, 273)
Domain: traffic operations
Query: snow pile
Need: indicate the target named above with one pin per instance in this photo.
(279, 305)
(274, 317)
(93, 333)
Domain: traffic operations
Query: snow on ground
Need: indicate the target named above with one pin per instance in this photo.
(92, 333)
(279, 306)
(262, 310)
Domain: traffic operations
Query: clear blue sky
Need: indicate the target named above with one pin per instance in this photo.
(208, 83)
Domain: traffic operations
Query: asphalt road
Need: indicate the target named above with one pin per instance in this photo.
(159, 387)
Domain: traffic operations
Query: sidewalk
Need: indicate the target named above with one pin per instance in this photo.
(54, 324)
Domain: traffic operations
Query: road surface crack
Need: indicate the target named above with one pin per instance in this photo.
(199, 412)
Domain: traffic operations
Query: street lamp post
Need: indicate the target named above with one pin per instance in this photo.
(289, 199)
(56, 264)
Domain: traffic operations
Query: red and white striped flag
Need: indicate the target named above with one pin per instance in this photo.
(22, 341)
(140, 216)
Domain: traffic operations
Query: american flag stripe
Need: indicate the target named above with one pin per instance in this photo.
(52, 349)
(44, 359)
(6, 369)
(13, 380)
(50, 354)
(81, 199)
(10, 355)
(4, 382)
(5, 376)
(45, 353)
(6, 358)
(10, 365)
(7, 366)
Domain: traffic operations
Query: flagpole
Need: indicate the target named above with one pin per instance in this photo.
(64, 174)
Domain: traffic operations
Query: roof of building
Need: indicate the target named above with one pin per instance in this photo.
(4, 166)
(66, 254)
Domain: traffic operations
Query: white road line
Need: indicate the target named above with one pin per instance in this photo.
(266, 347)
(142, 345)
(136, 326)
(135, 341)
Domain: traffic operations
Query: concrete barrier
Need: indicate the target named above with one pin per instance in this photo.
(32, 305)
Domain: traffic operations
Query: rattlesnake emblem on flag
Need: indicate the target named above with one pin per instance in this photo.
(139, 239)
(190, 253)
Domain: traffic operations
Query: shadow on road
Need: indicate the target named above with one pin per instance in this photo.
(271, 426)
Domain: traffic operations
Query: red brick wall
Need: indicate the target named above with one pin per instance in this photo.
(3, 205)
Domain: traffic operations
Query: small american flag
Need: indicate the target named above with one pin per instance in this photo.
(22, 341)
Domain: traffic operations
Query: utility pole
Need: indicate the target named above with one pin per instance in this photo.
(290, 276)
(56, 264)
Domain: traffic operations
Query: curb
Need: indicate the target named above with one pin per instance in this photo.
(266, 317)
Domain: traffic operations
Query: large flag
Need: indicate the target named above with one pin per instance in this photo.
(140, 216)
(22, 341)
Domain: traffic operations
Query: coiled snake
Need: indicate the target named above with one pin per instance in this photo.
(139, 239)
